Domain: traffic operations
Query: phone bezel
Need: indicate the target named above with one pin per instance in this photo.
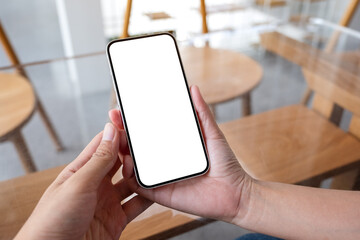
(124, 117)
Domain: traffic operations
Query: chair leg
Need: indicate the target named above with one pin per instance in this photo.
(23, 152)
(50, 128)
(306, 97)
(314, 182)
(246, 104)
(203, 16)
(356, 185)
(345, 181)
(127, 14)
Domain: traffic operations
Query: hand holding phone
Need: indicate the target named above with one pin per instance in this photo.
(215, 194)
(162, 129)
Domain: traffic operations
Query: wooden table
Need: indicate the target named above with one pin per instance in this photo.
(221, 75)
(19, 196)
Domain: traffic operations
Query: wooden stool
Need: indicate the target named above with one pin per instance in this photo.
(17, 101)
(221, 75)
(11, 85)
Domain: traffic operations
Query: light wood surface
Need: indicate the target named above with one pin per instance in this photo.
(354, 127)
(349, 180)
(17, 103)
(308, 57)
(322, 105)
(19, 196)
(325, 73)
(333, 76)
(346, 181)
(157, 15)
(271, 3)
(342, 89)
(345, 20)
(219, 8)
(221, 75)
(291, 144)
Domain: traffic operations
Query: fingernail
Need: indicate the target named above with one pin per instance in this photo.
(109, 132)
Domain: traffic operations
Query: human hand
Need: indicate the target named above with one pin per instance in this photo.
(220, 193)
(82, 202)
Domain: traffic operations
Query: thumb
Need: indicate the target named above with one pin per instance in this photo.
(207, 120)
(102, 160)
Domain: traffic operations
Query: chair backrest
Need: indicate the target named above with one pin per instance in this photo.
(335, 89)
(338, 86)
(333, 77)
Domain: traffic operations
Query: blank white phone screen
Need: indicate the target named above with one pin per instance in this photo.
(161, 124)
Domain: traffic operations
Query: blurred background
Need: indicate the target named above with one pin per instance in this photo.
(60, 45)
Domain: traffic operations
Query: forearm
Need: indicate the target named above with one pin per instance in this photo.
(297, 212)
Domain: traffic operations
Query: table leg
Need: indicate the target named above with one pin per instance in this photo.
(246, 104)
(345, 181)
(314, 182)
(23, 152)
(306, 97)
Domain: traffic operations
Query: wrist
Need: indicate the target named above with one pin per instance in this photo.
(247, 206)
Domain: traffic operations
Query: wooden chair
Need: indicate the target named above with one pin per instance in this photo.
(18, 102)
(344, 22)
(296, 144)
(127, 15)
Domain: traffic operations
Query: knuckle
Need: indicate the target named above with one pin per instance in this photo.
(103, 151)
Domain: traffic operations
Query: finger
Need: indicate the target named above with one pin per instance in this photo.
(115, 168)
(102, 161)
(129, 176)
(115, 117)
(124, 147)
(80, 161)
(128, 168)
(135, 206)
(123, 189)
(207, 120)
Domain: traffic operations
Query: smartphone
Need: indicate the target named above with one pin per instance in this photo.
(159, 117)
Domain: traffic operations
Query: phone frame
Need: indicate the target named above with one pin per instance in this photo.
(124, 117)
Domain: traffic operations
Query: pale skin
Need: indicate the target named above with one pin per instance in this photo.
(225, 193)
